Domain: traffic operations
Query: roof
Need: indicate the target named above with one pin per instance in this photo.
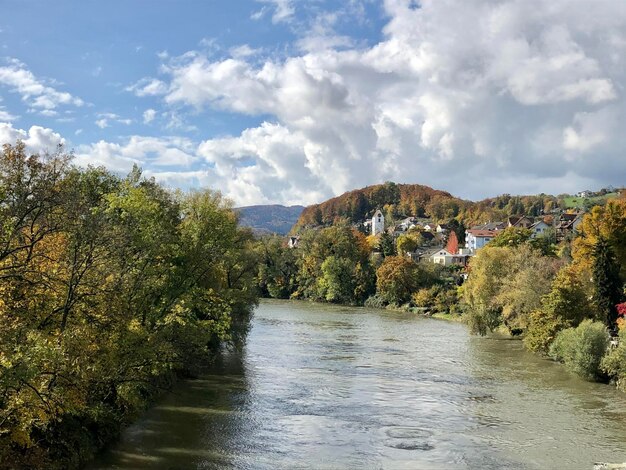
(482, 233)
(539, 222)
(489, 226)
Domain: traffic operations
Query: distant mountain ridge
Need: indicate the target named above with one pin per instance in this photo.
(273, 218)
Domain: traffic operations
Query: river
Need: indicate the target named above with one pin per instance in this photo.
(321, 386)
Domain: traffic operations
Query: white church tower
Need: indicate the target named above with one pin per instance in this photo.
(378, 223)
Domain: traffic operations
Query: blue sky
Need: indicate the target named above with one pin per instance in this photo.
(295, 101)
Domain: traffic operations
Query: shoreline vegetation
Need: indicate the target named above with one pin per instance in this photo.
(112, 288)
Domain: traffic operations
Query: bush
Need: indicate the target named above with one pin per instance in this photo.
(582, 348)
(614, 363)
(375, 301)
(424, 297)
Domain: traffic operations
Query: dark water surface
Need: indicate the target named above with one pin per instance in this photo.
(319, 386)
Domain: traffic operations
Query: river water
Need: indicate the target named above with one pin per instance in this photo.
(321, 386)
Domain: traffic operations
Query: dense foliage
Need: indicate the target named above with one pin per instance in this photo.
(108, 287)
(403, 200)
(582, 348)
(563, 306)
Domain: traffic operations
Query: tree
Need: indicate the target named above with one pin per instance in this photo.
(326, 257)
(606, 222)
(386, 245)
(452, 246)
(512, 237)
(607, 283)
(406, 243)
(565, 306)
(505, 286)
(398, 277)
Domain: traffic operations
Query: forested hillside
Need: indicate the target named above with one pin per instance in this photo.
(413, 200)
(269, 218)
(109, 287)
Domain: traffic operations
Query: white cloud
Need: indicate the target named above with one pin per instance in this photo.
(148, 116)
(34, 92)
(148, 87)
(37, 139)
(283, 10)
(466, 96)
(477, 97)
(147, 152)
(6, 116)
(106, 119)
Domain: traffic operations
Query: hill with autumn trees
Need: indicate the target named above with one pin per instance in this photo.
(398, 201)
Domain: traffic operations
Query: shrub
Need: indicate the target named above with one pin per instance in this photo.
(614, 363)
(581, 348)
(424, 297)
(375, 301)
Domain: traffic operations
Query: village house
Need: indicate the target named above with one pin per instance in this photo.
(477, 238)
(519, 221)
(567, 224)
(445, 258)
(539, 228)
(443, 228)
(293, 242)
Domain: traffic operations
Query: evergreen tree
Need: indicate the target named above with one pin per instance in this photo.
(386, 245)
(607, 282)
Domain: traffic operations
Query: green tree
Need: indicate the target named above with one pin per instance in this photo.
(565, 306)
(511, 237)
(386, 245)
(607, 282)
(398, 278)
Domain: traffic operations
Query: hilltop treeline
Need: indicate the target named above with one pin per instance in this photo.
(109, 287)
(404, 200)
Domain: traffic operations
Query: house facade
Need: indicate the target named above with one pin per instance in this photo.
(477, 238)
(539, 229)
(445, 258)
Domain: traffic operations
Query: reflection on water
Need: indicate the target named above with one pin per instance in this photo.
(334, 387)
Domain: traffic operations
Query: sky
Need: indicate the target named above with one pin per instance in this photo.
(296, 101)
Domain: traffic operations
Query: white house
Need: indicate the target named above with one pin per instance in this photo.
(539, 228)
(475, 238)
(378, 223)
(445, 258)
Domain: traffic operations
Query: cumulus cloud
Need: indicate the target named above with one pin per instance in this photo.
(148, 116)
(476, 97)
(148, 87)
(147, 152)
(37, 139)
(283, 10)
(105, 120)
(34, 92)
(5, 115)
